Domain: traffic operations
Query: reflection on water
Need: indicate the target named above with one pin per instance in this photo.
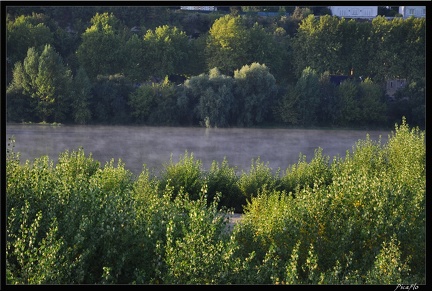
(153, 146)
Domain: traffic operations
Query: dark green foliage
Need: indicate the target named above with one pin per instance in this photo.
(109, 104)
(81, 95)
(155, 104)
(101, 49)
(43, 77)
(348, 104)
(412, 107)
(166, 51)
(227, 44)
(141, 43)
(308, 100)
(24, 32)
(222, 179)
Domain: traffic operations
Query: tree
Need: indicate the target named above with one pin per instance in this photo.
(216, 101)
(155, 104)
(19, 105)
(52, 83)
(110, 99)
(280, 63)
(166, 51)
(285, 108)
(371, 106)
(410, 103)
(101, 51)
(25, 32)
(255, 89)
(271, 49)
(134, 65)
(80, 97)
(46, 79)
(317, 45)
(165, 110)
(399, 48)
(31, 70)
(328, 109)
(197, 59)
(227, 44)
(308, 90)
(355, 51)
(142, 102)
(349, 112)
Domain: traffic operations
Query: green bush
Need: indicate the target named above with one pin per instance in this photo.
(360, 220)
(305, 174)
(186, 174)
(221, 178)
(260, 176)
(350, 222)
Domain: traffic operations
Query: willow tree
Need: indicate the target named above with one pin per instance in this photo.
(216, 100)
(255, 89)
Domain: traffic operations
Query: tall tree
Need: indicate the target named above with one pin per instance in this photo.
(109, 104)
(101, 49)
(80, 97)
(227, 44)
(317, 45)
(166, 51)
(371, 103)
(255, 89)
(285, 108)
(349, 112)
(328, 109)
(216, 100)
(46, 79)
(134, 65)
(20, 106)
(308, 90)
(52, 85)
(24, 32)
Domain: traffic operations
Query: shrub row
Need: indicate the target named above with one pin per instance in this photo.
(357, 220)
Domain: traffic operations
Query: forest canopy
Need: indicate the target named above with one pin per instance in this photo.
(143, 65)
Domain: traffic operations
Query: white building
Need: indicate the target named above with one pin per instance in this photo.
(416, 11)
(199, 8)
(354, 11)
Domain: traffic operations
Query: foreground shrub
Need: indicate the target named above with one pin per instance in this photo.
(198, 248)
(361, 220)
(222, 179)
(260, 176)
(30, 260)
(186, 174)
(305, 174)
(361, 224)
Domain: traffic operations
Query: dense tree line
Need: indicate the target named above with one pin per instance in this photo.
(162, 66)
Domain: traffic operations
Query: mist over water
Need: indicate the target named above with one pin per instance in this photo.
(153, 146)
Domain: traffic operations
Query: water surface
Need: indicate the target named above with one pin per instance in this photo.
(153, 146)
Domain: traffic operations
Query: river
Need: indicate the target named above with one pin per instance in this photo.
(153, 146)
